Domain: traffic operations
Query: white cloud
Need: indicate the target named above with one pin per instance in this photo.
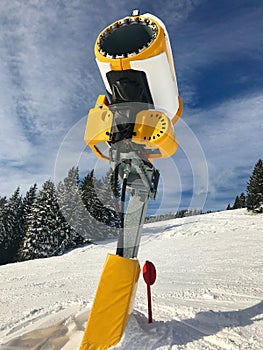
(231, 136)
(234, 126)
(43, 50)
(14, 145)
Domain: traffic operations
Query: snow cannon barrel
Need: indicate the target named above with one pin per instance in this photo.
(137, 49)
(135, 60)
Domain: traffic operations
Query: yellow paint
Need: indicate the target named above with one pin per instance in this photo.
(155, 130)
(179, 112)
(113, 303)
(98, 125)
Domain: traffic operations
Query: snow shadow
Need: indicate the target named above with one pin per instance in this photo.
(208, 323)
(66, 335)
(52, 338)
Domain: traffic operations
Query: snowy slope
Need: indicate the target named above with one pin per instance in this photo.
(208, 293)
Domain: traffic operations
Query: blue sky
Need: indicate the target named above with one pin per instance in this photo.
(49, 80)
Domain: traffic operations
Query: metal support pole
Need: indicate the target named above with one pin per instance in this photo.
(133, 224)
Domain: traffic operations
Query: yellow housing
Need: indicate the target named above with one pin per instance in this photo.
(152, 129)
(141, 43)
(155, 130)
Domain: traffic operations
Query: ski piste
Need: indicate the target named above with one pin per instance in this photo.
(129, 129)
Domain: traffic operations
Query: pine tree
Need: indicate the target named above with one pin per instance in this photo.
(28, 202)
(91, 202)
(255, 189)
(47, 232)
(72, 207)
(3, 233)
(109, 194)
(100, 202)
(3, 202)
(243, 200)
(237, 203)
(11, 226)
(240, 202)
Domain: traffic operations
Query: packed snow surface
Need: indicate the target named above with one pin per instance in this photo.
(208, 293)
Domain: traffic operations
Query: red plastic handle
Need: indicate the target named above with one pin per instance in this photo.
(149, 276)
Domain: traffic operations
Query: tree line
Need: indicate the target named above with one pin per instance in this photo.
(55, 219)
(177, 215)
(253, 200)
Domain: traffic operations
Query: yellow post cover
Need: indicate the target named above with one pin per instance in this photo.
(113, 303)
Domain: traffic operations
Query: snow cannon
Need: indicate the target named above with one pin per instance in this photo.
(135, 60)
(130, 127)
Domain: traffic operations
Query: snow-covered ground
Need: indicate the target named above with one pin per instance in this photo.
(208, 293)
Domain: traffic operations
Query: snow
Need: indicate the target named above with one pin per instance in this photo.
(208, 293)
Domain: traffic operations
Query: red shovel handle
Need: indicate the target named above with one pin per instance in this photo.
(149, 276)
